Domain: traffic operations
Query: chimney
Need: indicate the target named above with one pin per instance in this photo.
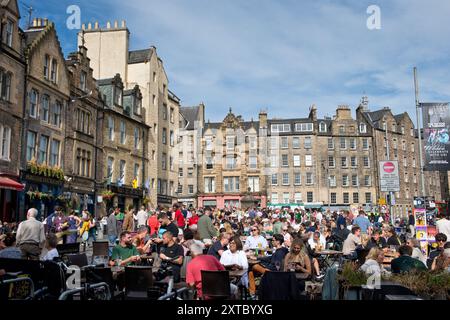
(263, 119)
(313, 113)
(343, 112)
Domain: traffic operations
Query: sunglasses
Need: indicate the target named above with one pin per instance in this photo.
(254, 229)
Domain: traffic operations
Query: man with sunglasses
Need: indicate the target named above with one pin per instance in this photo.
(255, 240)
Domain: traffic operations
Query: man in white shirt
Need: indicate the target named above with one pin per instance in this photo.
(255, 241)
(443, 226)
(141, 217)
(352, 241)
(317, 239)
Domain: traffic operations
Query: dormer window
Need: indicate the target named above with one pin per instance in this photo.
(117, 96)
(323, 127)
(362, 128)
(9, 27)
(137, 106)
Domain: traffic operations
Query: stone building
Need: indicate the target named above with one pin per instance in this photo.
(125, 135)
(83, 155)
(47, 85)
(232, 163)
(402, 140)
(12, 73)
(192, 120)
(109, 53)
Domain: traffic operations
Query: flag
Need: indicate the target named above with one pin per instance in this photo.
(135, 183)
(147, 184)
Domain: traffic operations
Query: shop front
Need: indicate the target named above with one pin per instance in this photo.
(79, 194)
(229, 201)
(9, 198)
(165, 201)
(188, 202)
(125, 197)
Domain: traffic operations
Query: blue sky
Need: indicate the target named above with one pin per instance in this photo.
(281, 55)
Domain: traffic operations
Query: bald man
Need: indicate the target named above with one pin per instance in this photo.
(30, 236)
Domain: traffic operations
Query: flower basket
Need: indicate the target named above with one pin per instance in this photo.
(427, 284)
(351, 279)
(107, 195)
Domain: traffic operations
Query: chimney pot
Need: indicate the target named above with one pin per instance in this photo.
(89, 26)
(116, 24)
(124, 24)
(108, 25)
(35, 22)
(83, 26)
(45, 22)
(96, 25)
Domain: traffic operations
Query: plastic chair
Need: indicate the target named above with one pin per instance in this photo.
(215, 284)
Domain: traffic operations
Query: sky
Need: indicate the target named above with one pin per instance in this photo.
(281, 55)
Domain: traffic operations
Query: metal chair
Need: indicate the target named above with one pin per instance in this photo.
(68, 248)
(78, 259)
(215, 284)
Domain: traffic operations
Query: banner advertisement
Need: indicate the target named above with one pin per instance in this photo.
(389, 178)
(420, 217)
(436, 131)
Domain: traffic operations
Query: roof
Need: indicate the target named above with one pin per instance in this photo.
(191, 115)
(139, 56)
(246, 125)
(31, 35)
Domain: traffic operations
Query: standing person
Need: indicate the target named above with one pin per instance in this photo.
(205, 226)
(411, 223)
(362, 221)
(120, 216)
(141, 217)
(112, 230)
(153, 223)
(443, 225)
(168, 225)
(193, 220)
(128, 221)
(73, 222)
(179, 218)
(31, 236)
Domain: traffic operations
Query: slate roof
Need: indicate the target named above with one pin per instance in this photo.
(190, 114)
(139, 56)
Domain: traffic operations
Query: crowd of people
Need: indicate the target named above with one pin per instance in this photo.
(230, 239)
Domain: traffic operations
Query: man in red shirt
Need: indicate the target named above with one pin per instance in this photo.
(201, 262)
(179, 218)
(194, 219)
(153, 223)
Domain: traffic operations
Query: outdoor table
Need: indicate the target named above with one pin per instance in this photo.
(235, 277)
(329, 257)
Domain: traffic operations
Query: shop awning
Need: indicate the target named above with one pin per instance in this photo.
(7, 183)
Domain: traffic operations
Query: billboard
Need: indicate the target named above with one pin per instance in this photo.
(436, 131)
(389, 178)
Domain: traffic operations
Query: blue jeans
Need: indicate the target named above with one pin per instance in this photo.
(112, 240)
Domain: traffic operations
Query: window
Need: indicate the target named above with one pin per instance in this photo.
(368, 197)
(295, 142)
(297, 179)
(190, 172)
(331, 162)
(332, 180)
(136, 173)
(154, 76)
(414, 162)
(136, 138)
(123, 133)
(9, 27)
(34, 98)
(231, 184)
(345, 197)
(307, 142)
(180, 188)
(46, 66)
(353, 161)
(180, 172)
(172, 118)
(407, 177)
(154, 100)
(367, 181)
(121, 177)
(208, 143)
(354, 180)
(253, 184)
(342, 143)
(164, 111)
(394, 144)
(304, 127)
(309, 196)
(309, 178)
(296, 160)
(231, 162)
(164, 136)
(109, 169)
(355, 197)
(281, 127)
(285, 197)
(210, 185)
(31, 145)
(365, 143)
(333, 198)
(274, 179)
(341, 129)
(171, 163)
(298, 197)
(171, 138)
(54, 153)
(43, 149)
(164, 161)
(111, 128)
(411, 132)
(209, 163)
(57, 109)
(230, 143)
(405, 162)
(308, 160)
(117, 96)
(274, 198)
(284, 160)
(323, 127)
(285, 179)
(45, 106)
(274, 161)
(404, 145)
(330, 143)
(190, 189)
(345, 180)
(344, 162)
(253, 162)
(5, 85)
(352, 143)
(362, 128)
(415, 178)
(54, 71)
(412, 147)
(273, 143)
(5, 142)
(366, 162)
(284, 143)
(83, 164)
(253, 142)
(394, 127)
(83, 77)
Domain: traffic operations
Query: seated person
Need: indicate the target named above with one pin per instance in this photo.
(375, 240)
(297, 260)
(391, 238)
(9, 249)
(235, 259)
(50, 245)
(272, 263)
(374, 262)
(142, 241)
(255, 240)
(405, 263)
(125, 253)
(172, 255)
(441, 240)
(352, 241)
(220, 245)
(442, 261)
(317, 241)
